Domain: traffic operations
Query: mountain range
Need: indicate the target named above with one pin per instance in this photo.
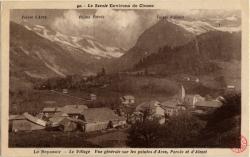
(169, 47)
(40, 52)
(194, 42)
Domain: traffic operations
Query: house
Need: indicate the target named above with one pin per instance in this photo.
(71, 124)
(92, 97)
(127, 99)
(65, 91)
(61, 121)
(204, 107)
(220, 98)
(49, 111)
(74, 111)
(153, 109)
(25, 122)
(197, 80)
(54, 121)
(198, 112)
(208, 105)
(135, 116)
(189, 78)
(172, 107)
(101, 118)
(170, 110)
(191, 99)
(232, 87)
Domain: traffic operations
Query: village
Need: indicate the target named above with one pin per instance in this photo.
(102, 111)
(168, 84)
(79, 117)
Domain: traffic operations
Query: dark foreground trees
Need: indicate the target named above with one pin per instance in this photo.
(221, 129)
(144, 134)
(180, 131)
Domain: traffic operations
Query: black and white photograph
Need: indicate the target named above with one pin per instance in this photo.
(125, 78)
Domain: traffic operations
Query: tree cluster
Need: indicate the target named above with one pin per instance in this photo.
(185, 58)
(73, 82)
(220, 129)
(181, 131)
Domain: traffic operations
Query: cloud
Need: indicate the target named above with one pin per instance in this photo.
(231, 18)
(121, 28)
(117, 28)
(183, 12)
(70, 23)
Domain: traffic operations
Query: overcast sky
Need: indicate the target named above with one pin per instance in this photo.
(119, 28)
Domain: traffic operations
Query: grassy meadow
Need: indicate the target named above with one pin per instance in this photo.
(144, 88)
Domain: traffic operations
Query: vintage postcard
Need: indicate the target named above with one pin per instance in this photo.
(109, 78)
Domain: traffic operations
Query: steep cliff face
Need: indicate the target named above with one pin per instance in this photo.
(164, 33)
(35, 56)
(199, 56)
(40, 52)
(176, 46)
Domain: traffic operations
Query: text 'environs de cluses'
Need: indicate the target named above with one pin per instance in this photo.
(116, 6)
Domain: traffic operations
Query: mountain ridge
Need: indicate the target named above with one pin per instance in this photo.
(175, 37)
(39, 52)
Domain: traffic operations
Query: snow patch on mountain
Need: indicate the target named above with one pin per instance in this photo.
(200, 27)
(96, 49)
(27, 27)
(229, 29)
(54, 69)
(39, 26)
(232, 18)
(75, 39)
(35, 75)
(25, 51)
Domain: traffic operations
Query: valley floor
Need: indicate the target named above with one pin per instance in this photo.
(43, 138)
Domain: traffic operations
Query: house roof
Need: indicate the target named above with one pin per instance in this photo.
(169, 103)
(49, 102)
(210, 104)
(60, 114)
(137, 113)
(99, 115)
(198, 111)
(128, 97)
(28, 117)
(57, 120)
(49, 109)
(145, 105)
(73, 109)
(34, 119)
(16, 117)
(193, 95)
(169, 106)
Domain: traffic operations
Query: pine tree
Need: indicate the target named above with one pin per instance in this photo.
(103, 73)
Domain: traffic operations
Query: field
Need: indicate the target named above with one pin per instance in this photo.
(143, 88)
(43, 138)
(33, 101)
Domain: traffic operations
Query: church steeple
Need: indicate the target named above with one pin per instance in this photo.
(181, 95)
